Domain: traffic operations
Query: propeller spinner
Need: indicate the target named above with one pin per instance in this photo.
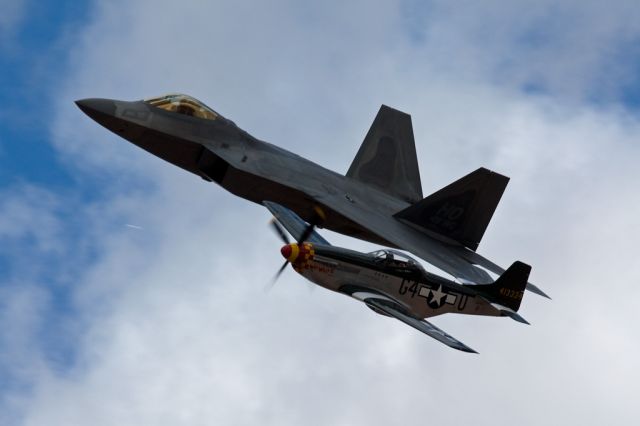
(291, 251)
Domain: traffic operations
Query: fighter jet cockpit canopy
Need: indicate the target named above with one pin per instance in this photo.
(390, 257)
(183, 104)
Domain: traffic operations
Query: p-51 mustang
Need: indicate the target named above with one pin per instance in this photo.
(393, 284)
(378, 200)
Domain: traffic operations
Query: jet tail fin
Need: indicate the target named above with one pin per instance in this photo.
(461, 210)
(508, 290)
(387, 157)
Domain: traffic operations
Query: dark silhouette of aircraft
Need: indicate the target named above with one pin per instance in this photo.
(378, 200)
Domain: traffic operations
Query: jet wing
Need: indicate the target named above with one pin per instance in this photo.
(451, 258)
(475, 258)
(444, 256)
(419, 324)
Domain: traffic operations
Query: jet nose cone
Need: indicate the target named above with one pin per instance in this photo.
(97, 108)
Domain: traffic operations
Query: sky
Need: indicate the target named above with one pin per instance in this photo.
(131, 292)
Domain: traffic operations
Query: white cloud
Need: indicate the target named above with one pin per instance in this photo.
(180, 330)
(575, 49)
(28, 212)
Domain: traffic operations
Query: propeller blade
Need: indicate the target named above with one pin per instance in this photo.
(281, 270)
(307, 232)
(270, 285)
(317, 219)
(278, 229)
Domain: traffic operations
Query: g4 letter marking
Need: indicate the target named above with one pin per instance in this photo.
(403, 287)
(410, 286)
(413, 289)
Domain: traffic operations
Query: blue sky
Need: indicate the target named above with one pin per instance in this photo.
(34, 60)
(93, 308)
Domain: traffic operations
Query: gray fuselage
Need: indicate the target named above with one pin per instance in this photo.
(219, 151)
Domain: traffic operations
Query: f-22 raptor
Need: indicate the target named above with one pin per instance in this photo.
(379, 199)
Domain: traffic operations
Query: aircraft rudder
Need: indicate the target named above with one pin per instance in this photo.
(461, 210)
(508, 289)
(387, 157)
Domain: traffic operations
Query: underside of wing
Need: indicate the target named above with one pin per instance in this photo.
(419, 324)
(293, 223)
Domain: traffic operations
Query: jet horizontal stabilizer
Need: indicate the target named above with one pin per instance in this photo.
(462, 210)
(535, 289)
(510, 313)
(475, 259)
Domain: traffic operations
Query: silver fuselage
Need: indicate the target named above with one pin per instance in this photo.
(421, 293)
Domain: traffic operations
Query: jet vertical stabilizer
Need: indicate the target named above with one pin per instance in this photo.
(461, 210)
(387, 157)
